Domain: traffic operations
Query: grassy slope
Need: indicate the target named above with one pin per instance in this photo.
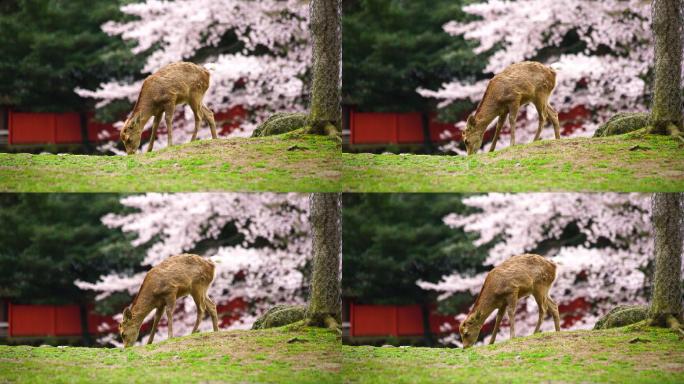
(566, 357)
(235, 356)
(286, 163)
(579, 164)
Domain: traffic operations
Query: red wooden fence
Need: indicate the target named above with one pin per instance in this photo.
(393, 320)
(50, 320)
(394, 128)
(65, 128)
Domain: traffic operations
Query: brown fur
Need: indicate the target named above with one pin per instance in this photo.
(173, 278)
(515, 86)
(516, 278)
(174, 84)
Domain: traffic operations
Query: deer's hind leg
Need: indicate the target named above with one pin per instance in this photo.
(153, 136)
(552, 307)
(540, 298)
(157, 317)
(541, 111)
(200, 304)
(208, 116)
(499, 125)
(552, 115)
(211, 307)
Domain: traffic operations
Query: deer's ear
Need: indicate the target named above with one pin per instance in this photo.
(127, 314)
(478, 316)
(471, 120)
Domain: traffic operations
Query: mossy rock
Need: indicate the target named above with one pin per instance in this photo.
(280, 315)
(622, 315)
(623, 122)
(281, 122)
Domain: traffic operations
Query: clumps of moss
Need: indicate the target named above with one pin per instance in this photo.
(281, 122)
(623, 122)
(622, 315)
(280, 315)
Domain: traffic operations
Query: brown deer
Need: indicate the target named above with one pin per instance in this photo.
(516, 278)
(161, 92)
(173, 278)
(517, 85)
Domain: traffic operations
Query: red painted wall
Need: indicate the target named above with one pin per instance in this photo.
(53, 128)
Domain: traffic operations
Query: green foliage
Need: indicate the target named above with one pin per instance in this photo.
(50, 240)
(393, 240)
(306, 355)
(392, 47)
(284, 163)
(51, 47)
(622, 355)
(632, 162)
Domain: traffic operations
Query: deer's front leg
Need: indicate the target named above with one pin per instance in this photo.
(499, 125)
(512, 117)
(153, 136)
(157, 316)
(511, 303)
(499, 316)
(168, 114)
(170, 307)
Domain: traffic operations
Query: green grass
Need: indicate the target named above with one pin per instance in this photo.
(611, 356)
(263, 356)
(579, 164)
(287, 163)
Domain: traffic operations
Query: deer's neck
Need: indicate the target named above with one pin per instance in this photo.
(484, 306)
(140, 308)
(484, 115)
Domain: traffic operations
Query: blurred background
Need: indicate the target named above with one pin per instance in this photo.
(414, 70)
(414, 263)
(70, 263)
(71, 70)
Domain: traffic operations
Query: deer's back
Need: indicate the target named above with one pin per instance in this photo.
(182, 80)
(526, 79)
(521, 272)
(181, 273)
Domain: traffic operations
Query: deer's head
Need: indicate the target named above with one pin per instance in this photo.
(472, 135)
(127, 329)
(130, 134)
(470, 329)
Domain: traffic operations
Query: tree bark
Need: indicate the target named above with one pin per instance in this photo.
(427, 140)
(325, 307)
(85, 332)
(666, 110)
(325, 113)
(427, 332)
(666, 303)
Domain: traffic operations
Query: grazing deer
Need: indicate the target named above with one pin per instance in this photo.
(176, 83)
(515, 86)
(173, 278)
(516, 278)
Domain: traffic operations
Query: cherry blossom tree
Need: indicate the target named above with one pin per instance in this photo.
(262, 70)
(602, 244)
(602, 51)
(267, 267)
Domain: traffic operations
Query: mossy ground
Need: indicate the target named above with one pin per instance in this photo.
(264, 356)
(292, 162)
(631, 162)
(620, 355)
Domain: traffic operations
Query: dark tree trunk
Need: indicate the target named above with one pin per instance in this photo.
(83, 311)
(427, 140)
(427, 332)
(666, 111)
(325, 219)
(666, 303)
(84, 132)
(325, 114)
